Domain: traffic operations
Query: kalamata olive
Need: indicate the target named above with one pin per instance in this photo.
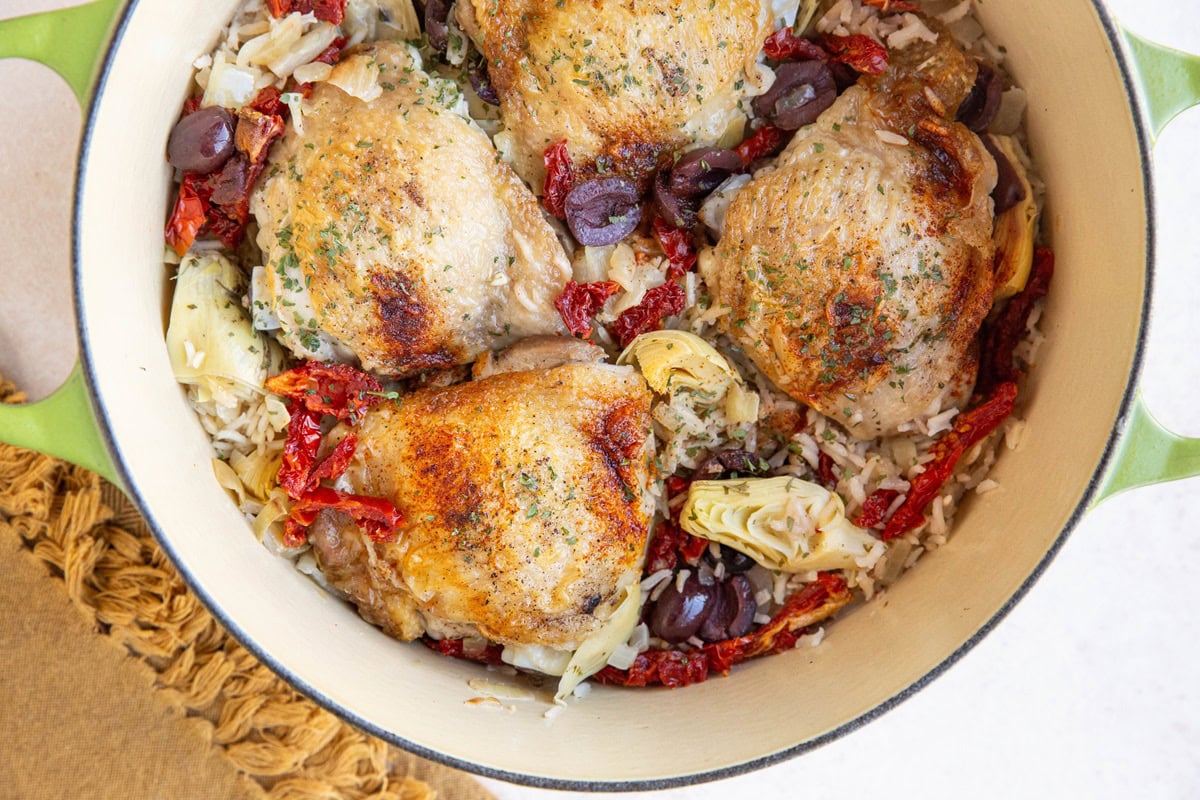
(735, 562)
(1009, 190)
(801, 91)
(602, 211)
(232, 183)
(481, 83)
(436, 14)
(742, 462)
(739, 590)
(732, 612)
(981, 105)
(699, 171)
(201, 141)
(679, 211)
(677, 615)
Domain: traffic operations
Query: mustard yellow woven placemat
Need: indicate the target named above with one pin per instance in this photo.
(71, 719)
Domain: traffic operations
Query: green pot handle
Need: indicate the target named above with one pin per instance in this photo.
(70, 42)
(1149, 453)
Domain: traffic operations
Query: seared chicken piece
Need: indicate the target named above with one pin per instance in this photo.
(392, 233)
(622, 81)
(526, 503)
(858, 269)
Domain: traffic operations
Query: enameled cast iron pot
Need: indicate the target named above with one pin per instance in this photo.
(122, 414)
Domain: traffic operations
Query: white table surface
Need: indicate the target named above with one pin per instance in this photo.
(1089, 689)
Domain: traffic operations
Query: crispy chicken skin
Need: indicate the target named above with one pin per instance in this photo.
(858, 269)
(393, 234)
(624, 81)
(526, 506)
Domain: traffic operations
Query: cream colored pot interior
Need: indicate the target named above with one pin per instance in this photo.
(1084, 139)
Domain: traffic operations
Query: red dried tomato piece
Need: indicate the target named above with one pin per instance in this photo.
(663, 551)
(378, 516)
(189, 214)
(893, 6)
(1002, 335)
(692, 547)
(300, 450)
(333, 53)
(969, 428)
(229, 231)
(255, 132)
(268, 101)
(825, 474)
(454, 649)
(560, 178)
(764, 142)
(676, 485)
(860, 52)
(875, 507)
(785, 45)
(659, 303)
(331, 11)
(579, 302)
(677, 244)
(335, 464)
(191, 105)
(335, 389)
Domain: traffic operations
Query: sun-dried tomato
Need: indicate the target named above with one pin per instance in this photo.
(189, 214)
(825, 474)
(333, 53)
(255, 132)
(454, 649)
(191, 105)
(677, 244)
(579, 302)
(335, 464)
(658, 303)
(671, 668)
(763, 142)
(676, 485)
(785, 45)
(377, 516)
(969, 428)
(331, 11)
(268, 101)
(560, 179)
(663, 550)
(860, 52)
(300, 451)
(892, 6)
(875, 507)
(1005, 332)
(335, 389)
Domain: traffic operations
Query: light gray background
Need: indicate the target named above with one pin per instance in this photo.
(1090, 688)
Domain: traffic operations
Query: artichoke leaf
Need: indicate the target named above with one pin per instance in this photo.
(783, 523)
(211, 342)
(1015, 230)
(672, 361)
(595, 650)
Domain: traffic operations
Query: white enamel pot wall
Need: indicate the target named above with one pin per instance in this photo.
(123, 414)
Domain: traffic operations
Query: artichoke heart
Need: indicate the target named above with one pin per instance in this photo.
(210, 340)
(677, 362)
(1015, 229)
(595, 651)
(782, 523)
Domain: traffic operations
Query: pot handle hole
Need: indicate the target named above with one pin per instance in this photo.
(1149, 453)
(69, 41)
(1169, 79)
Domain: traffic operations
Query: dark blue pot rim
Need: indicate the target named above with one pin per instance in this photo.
(1128, 78)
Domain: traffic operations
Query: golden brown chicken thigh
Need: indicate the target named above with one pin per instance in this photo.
(622, 81)
(858, 269)
(526, 502)
(392, 233)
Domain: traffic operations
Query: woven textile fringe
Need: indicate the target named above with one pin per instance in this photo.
(89, 535)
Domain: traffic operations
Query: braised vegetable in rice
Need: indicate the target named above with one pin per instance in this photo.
(614, 341)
